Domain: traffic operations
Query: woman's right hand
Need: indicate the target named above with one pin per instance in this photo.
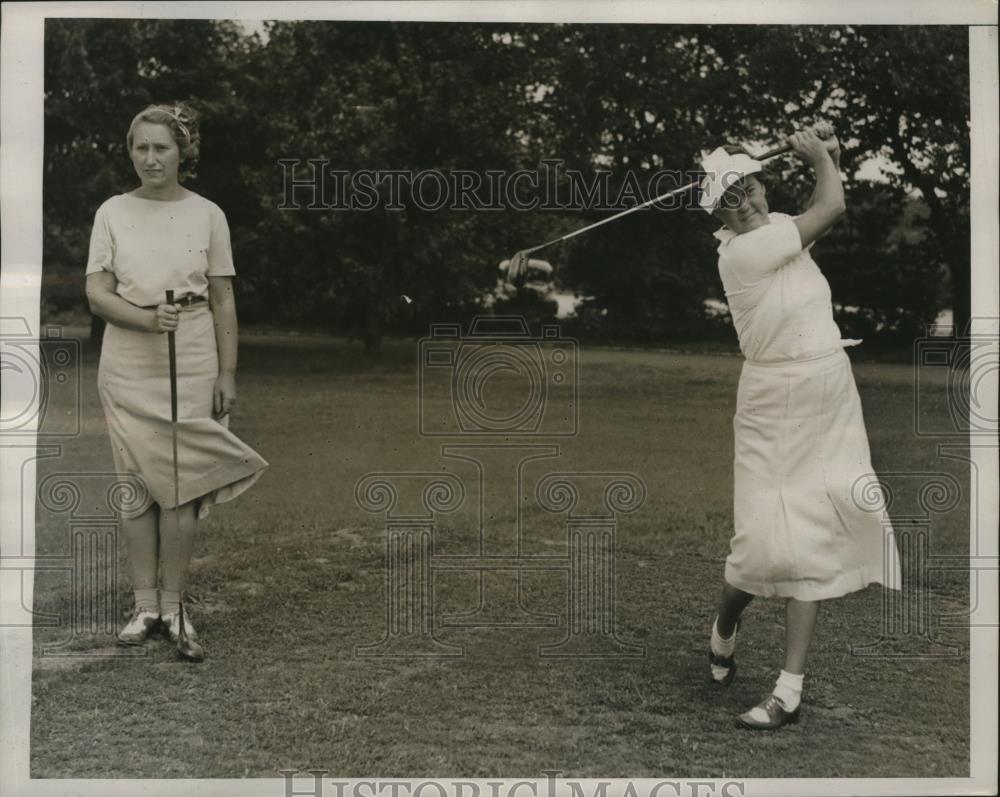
(165, 317)
(808, 146)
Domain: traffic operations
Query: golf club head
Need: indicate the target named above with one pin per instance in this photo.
(187, 648)
(517, 271)
(190, 651)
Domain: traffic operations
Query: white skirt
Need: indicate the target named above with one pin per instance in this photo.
(809, 515)
(214, 465)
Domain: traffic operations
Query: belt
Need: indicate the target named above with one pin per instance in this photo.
(184, 301)
(801, 361)
(845, 343)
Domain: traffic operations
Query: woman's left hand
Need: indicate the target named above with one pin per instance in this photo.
(224, 395)
(826, 132)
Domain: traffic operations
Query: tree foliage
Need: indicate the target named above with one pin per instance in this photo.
(639, 97)
(379, 97)
(623, 101)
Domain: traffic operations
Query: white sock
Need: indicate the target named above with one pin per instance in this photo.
(170, 601)
(788, 690)
(721, 647)
(146, 600)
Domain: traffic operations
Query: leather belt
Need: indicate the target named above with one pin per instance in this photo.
(183, 301)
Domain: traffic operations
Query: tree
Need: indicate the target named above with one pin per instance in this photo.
(897, 93)
(641, 97)
(609, 101)
(382, 96)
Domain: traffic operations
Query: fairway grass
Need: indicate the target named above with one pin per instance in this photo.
(289, 578)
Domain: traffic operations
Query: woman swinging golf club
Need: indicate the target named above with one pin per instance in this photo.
(150, 243)
(801, 447)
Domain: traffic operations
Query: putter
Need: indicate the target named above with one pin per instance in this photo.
(187, 649)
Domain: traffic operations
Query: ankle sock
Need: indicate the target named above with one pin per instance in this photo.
(788, 690)
(146, 600)
(170, 601)
(721, 647)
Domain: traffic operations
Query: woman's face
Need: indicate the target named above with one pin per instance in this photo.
(744, 206)
(155, 155)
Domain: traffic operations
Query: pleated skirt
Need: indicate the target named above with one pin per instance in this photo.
(214, 465)
(809, 513)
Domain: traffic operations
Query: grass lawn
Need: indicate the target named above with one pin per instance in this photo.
(289, 578)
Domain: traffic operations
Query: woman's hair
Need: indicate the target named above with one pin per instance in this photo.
(182, 121)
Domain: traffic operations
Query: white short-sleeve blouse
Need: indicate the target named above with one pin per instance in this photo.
(779, 299)
(151, 246)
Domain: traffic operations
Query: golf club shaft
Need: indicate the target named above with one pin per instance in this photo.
(771, 153)
(781, 149)
(185, 647)
(647, 203)
(172, 357)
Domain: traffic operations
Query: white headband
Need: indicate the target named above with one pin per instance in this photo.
(722, 171)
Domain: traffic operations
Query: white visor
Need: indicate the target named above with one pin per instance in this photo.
(722, 171)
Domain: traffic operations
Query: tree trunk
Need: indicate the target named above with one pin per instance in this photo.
(955, 244)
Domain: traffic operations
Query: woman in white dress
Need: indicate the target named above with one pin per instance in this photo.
(801, 449)
(160, 237)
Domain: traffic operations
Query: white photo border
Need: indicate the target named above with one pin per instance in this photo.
(21, 159)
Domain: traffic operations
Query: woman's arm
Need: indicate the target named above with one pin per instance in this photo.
(828, 203)
(826, 132)
(107, 304)
(223, 303)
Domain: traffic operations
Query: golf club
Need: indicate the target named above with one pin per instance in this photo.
(518, 264)
(186, 648)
